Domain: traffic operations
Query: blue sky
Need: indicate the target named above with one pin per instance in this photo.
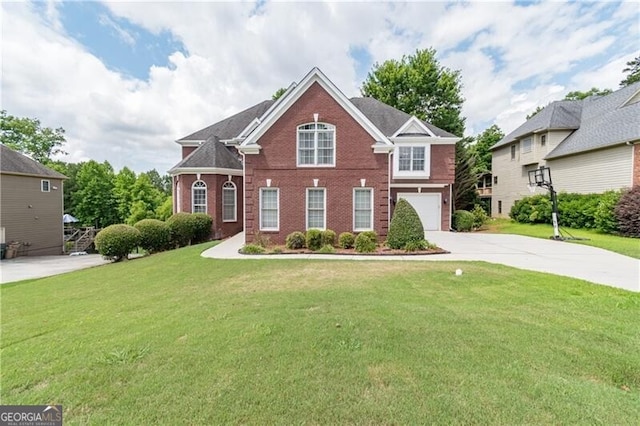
(127, 79)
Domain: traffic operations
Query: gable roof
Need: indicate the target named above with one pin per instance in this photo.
(558, 115)
(212, 154)
(389, 119)
(606, 121)
(230, 127)
(291, 96)
(13, 162)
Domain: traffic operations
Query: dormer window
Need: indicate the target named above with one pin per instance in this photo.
(316, 145)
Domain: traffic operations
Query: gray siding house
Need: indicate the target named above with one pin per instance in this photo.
(31, 204)
(591, 146)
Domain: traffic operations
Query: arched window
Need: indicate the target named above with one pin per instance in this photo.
(316, 145)
(229, 202)
(199, 197)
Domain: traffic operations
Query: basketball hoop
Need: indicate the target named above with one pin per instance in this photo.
(532, 188)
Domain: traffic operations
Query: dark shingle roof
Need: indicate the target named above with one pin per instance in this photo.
(14, 162)
(211, 153)
(389, 119)
(605, 122)
(232, 126)
(557, 115)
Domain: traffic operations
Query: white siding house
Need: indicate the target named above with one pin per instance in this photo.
(590, 146)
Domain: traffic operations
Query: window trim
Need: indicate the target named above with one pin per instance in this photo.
(193, 189)
(332, 128)
(513, 148)
(412, 174)
(543, 140)
(371, 207)
(277, 227)
(226, 187)
(42, 185)
(324, 208)
(529, 145)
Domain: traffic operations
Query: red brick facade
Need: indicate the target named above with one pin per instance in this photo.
(355, 160)
(636, 164)
(182, 194)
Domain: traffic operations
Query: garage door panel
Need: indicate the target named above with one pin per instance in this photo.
(428, 207)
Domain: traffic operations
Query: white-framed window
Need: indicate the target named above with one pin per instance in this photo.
(362, 209)
(316, 145)
(513, 152)
(45, 185)
(412, 161)
(526, 145)
(229, 202)
(543, 140)
(199, 197)
(316, 208)
(269, 209)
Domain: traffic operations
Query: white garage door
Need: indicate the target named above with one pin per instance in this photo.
(428, 208)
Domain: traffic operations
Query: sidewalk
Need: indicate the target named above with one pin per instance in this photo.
(536, 254)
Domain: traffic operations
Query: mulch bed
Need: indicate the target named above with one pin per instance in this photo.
(380, 251)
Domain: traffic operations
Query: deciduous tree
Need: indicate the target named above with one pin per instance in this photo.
(26, 135)
(94, 203)
(633, 70)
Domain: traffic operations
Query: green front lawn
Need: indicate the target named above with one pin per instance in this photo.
(178, 339)
(623, 245)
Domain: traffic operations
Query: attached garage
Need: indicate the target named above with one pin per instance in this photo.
(428, 207)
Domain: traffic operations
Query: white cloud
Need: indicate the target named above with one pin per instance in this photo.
(512, 59)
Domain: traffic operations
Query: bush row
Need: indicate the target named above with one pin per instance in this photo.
(325, 241)
(181, 229)
(611, 212)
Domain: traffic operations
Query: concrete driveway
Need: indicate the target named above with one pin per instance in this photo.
(535, 254)
(29, 267)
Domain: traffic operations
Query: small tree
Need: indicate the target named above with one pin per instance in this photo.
(405, 227)
(628, 213)
(117, 241)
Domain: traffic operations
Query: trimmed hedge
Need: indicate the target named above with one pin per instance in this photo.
(183, 227)
(463, 221)
(117, 241)
(202, 224)
(405, 226)
(295, 240)
(314, 239)
(366, 242)
(627, 213)
(346, 240)
(328, 238)
(154, 235)
(605, 216)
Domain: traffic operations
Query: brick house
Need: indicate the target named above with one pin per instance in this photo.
(315, 159)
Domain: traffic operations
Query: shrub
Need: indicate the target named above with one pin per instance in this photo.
(314, 239)
(328, 238)
(535, 209)
(627, 213)
(480, 216)
(346, 240)
(202, 227)
(295, 240)
(117, 241)
(463, 221)
(578, 210)
(405, 226)
(604, 216)
(366, 242)
(327, 249)
(182, 228)
(154, 235)
(261, 240)
(416, 245)
(252, 249)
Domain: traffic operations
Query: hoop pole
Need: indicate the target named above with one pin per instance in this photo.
(554, 213)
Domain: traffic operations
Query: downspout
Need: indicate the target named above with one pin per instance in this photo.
(244, 195)
(450, 205)
(389, 190)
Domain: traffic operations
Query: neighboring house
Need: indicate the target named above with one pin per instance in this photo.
(31, 204)
(590, 146)
(315, 159)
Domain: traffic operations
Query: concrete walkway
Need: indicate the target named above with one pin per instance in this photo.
(535, 254)
(29, 267)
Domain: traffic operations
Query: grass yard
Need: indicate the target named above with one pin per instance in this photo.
(623, 245)
(178, 339)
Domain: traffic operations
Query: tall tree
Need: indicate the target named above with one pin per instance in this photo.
(465, 195)
(161, 183)
(94, 203)
(145, 200)
(578, 95)
(481, 149)
(26, 135)
(633, 68)
(70, 185)
(420, 86)
(123, 192)
(278, 93)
